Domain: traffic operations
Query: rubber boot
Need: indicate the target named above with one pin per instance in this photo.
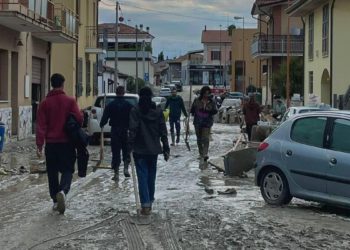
(172, 140)
(116, 175)
(177, 139)
(126, 170)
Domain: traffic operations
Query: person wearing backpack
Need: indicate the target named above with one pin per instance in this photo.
(50, 131)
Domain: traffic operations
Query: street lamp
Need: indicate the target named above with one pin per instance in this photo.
(243, 61)
(220, 72)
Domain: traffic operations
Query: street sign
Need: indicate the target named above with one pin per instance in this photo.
(146, 77)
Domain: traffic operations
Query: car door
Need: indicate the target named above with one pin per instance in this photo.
(304, 154)
(338, 158)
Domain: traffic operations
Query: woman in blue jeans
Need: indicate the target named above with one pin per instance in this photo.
(146, 129)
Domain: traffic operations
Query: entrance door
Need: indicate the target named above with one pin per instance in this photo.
(36, 87)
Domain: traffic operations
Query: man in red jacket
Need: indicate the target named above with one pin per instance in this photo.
(60, 153)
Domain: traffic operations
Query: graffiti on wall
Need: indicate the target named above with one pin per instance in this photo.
(6, 118)
(25, 122)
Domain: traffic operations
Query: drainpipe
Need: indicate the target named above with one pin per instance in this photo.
(332, 56)
(304, 59)
(76, 55)
(49, 48)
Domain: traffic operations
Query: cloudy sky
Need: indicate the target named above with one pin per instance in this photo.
(177, 24)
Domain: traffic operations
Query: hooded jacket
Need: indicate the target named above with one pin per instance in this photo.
(176, 105)
(203, 114)
(251, 111)
(52, 116)
(146, 131)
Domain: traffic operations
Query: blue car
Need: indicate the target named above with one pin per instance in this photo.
(307, 157)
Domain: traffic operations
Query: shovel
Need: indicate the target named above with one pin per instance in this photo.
(187, 134)
(102, 164)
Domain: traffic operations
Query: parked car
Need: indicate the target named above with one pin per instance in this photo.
(292, 111)
(165, 92)
(235, 95)
(160, 101)
(96, 112)
(307, 157)
(178, 85)
(230, 103)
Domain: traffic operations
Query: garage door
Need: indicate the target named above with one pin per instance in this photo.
(36, 71)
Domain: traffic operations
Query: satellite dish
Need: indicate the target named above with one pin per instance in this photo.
(121, 19)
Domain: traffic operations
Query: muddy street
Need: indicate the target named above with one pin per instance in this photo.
(189, 213)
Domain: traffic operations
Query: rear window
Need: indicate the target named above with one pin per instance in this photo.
(341, 136)
(99, 101)
(309, 131)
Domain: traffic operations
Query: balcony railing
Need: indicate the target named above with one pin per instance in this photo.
(265, 46)
(65, 21)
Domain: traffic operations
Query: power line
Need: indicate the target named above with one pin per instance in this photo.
(175, 14)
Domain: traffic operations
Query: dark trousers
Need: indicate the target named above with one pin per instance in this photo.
(203, 138)
(146, 169)
(119, 142)
(60, 158)
(175, 122)
(249, 130)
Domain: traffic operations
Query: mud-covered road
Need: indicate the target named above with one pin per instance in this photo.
(185, 215)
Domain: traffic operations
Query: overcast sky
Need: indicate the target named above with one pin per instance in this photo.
(177, 24)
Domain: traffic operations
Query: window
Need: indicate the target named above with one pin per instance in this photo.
(311, 36)
(325, 30)
(88, 81)
(309, 131)
(230, 55)
(79, 86)
(215, 55)
(311, 82)
(340, 140)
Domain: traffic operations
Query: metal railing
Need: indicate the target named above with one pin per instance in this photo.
(38, 10)
(91, 37)
(65, 20)
(264, 44)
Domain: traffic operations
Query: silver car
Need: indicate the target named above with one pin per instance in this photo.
(307, 157)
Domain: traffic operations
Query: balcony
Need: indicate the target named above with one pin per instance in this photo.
(64, 26)
(128, 55)
(26, 15)
(91, 46)
(269, 46)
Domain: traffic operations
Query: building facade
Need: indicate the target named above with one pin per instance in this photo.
(132, 43)
(326, 49)
(270, 45)
(31, 27)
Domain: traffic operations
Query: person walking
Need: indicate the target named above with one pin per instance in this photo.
(59, 152)
(147, 128)
(117, 113)
(251, 112)
(176, 105)
(203, 109)
(279, 109)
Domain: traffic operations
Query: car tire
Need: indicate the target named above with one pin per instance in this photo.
(274, 187)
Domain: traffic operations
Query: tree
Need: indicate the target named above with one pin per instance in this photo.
(161, 57)
(131, 86)
(296, 78)
(230, 29)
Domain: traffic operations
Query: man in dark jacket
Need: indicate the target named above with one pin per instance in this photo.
(203, 109)
(60, 154)
(251, 112)
(176, 105)
(117, 112)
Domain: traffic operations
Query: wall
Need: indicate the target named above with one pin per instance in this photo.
(341, 80)
(225, 53)
(319, 63)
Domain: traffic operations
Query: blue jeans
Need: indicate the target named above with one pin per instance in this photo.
(175, 122)
(146, 169)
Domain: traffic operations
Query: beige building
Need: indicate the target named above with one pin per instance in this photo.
(38, 39)
(246, 70)
(326, 47)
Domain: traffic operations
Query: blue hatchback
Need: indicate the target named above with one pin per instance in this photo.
(307, 157)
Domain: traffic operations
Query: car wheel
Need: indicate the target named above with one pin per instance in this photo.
(274, 187)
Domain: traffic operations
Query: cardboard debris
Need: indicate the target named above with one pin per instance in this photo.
(37, 167)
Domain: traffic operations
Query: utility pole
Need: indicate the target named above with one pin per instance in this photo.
(116, 45)
(220, 58)
(244, 87)
(288, 63)
(137, 63)
(143, 60)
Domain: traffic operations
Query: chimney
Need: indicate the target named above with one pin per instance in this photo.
(205, 27)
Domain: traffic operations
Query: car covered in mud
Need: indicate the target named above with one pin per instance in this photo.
(307, 157)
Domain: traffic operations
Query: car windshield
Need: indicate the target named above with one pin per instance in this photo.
(165, 89)
(99, 101)
(157, 99)
(236, 94)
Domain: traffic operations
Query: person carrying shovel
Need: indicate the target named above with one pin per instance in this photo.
(117, 112)
(146, 129)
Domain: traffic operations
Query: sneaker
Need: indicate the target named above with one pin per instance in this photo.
(61, 202)
(177, 139)
(54, 208)
(146, 211)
